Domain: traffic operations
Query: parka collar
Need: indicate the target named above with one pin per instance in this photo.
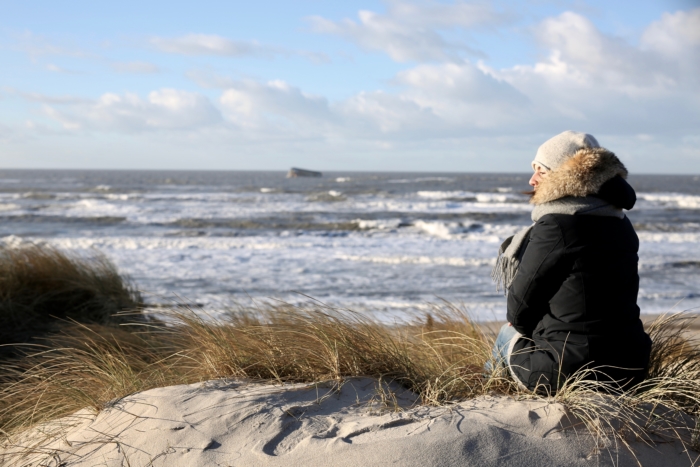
(582, 175)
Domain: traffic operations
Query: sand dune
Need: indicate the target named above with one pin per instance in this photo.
(359, 423)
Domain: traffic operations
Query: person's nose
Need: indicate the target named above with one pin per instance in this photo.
(534, 180)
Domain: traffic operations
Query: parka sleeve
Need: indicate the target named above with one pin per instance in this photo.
(541, 273)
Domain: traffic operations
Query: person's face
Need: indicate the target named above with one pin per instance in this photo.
(537, 177)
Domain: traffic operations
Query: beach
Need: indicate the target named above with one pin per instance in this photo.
(324, 322)
(349, 423)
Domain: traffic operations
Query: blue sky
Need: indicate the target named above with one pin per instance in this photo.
(379, 85)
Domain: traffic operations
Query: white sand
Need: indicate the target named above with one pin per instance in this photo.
(224, 423)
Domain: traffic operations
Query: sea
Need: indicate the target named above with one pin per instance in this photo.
(391, 245)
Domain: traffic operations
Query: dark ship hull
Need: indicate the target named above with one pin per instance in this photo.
(294, 173)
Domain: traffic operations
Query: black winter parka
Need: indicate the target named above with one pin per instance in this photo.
(574, 297)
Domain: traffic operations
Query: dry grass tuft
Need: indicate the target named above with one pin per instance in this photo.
(441, 359)
(90, 366)
(40, 285)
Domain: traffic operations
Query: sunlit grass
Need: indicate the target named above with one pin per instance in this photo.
(40, 285)
(441, 358)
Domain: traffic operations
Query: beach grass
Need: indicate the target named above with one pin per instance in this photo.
(41, 286)
(440, 357)
(91, 365)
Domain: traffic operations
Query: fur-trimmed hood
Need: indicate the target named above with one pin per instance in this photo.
(582, 175)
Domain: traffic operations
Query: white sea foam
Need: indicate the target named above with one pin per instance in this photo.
(13, 241)
(669, 237)
(434, 260)
(467, 195)
(382, 224)
(671, 200)
(446, 194)
(419, 179)
(441, 229)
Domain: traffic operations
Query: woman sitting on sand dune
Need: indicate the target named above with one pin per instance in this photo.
(571, 278)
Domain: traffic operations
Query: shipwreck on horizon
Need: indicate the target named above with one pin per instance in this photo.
(294, 173)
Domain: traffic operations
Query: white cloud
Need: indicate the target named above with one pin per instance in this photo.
(211, 44)
(135, 67)
(674, 33)
(165, 109)
(439, 101)
(463, 95)
(676, 38)
(59, 100)
(39, 46)
(57, 69)
(594, 58)
(276, 110)
(598, 82)
(208, 44)
(411, 31)
(276, 107)
(385, 118)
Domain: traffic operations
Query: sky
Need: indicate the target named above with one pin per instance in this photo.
(399, 85)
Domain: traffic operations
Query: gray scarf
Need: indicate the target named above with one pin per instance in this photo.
(509, 253)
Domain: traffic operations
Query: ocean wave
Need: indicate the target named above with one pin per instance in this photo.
(380, 224)
(446, 229)
(446, 195)
(471, 196)
(332, 196)
(659, 264)
(669, 237)
(47, 219)
(38, 195)
(426, 260)
(420, 179)
(684, 264)
(500, 198)
(175, 243)
(672, 200)
(667, 227)
(270, 223)
(9, 207)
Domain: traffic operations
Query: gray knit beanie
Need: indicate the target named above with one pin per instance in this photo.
(555, 151)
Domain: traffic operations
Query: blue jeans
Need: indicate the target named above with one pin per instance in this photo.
(500, 347)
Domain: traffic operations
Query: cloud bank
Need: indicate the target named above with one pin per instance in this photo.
(635, 96)
(411, 32)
